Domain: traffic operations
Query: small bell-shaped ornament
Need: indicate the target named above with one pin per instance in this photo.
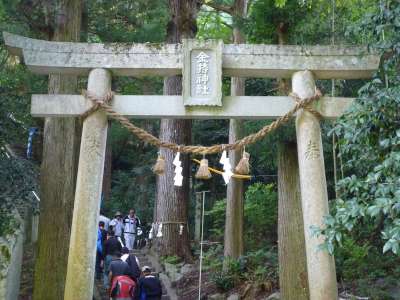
(203, 172)
(243, 167)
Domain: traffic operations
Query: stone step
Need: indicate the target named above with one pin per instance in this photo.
(142, 257)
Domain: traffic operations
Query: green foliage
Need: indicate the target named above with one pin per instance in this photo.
(258, 267)
(264, 19)
(18, 178)
(213, 257)
(261, 215)
(216, 217)
(369, 289)
(223, 280)
(370, 145)
(8, 224)
(364, 220)
(351, 258)
(262, 265)
(128, 21)
(15, 85)
(171, 259)
(231, 275)
(214, 25)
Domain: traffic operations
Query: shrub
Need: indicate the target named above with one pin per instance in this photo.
(261, 216)
(171, 259)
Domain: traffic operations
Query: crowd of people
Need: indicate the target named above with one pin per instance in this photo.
(123, 276)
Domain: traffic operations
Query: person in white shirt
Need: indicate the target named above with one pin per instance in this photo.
(117, 225)
(131, 223)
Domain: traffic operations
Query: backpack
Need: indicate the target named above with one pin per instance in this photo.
(123, 287)
(135, 270)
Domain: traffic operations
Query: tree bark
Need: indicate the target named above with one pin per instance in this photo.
(58, 173)
(172, 201)
(293, 278)
(106, 190)
(233, 242)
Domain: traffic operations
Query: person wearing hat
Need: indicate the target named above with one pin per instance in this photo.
(149, 286)
(116, 225)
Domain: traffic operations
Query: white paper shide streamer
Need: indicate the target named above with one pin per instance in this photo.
(180, 229)
(151, 233)
(178, 170)
(159, 232)
(226, 167)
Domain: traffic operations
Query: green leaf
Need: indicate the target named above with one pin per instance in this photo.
(338, 237)
(387, 246)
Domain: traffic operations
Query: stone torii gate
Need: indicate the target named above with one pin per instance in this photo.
(202, 64)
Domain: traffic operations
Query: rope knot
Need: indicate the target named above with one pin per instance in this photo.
(98, 102)
(306, 102)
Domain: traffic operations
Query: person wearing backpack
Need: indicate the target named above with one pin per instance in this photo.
(133, 263)
(149, 286)
(123, 287)
(111, 249)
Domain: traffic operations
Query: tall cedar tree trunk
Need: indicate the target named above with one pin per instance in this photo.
(233, 243)
(106, 189)
(172, 201)
(58, 172)
(293, 279)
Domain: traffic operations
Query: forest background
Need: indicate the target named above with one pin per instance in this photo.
(365, 202)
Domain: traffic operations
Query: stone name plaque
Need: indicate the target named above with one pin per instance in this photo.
(202, 72)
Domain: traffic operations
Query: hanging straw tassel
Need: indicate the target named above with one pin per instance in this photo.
(203, 172)
(159, 167)
(243, 167)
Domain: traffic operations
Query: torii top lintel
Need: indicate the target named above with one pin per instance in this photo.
(246, 60)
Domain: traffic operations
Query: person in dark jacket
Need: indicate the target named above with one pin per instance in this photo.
(133, 263)
(112, 248)
(120, 278)
(149, 286)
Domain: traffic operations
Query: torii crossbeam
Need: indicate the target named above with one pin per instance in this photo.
(202, 65)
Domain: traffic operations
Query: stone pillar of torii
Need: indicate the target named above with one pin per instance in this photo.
(202, 64)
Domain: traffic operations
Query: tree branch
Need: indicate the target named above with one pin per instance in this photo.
(227, 25)
(219, 7)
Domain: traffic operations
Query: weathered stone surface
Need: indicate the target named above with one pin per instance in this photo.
(274, 296)
(172, 271)
(11, 251)
(217, 297)
(245, 107)
(187, 268)
(82, 250)
(320, 265)
(274, 61)
(234, 296)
